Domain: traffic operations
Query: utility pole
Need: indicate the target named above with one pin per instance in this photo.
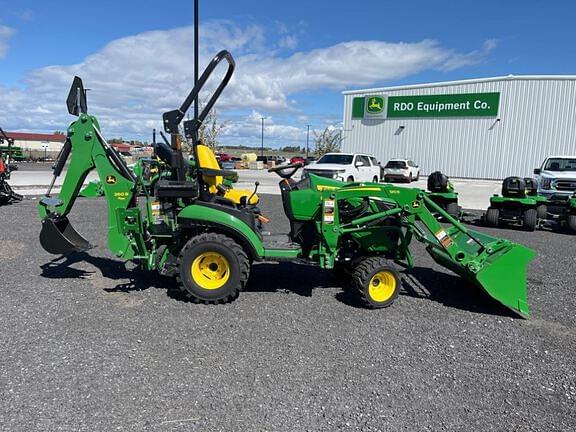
(196, 55)
(307, 139)
(262, 145)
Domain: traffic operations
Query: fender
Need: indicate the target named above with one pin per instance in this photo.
(200, 213)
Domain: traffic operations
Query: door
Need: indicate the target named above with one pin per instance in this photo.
(364, 168)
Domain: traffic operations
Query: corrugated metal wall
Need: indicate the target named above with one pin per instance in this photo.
(538, 119)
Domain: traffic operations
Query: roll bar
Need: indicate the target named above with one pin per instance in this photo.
(172, 119)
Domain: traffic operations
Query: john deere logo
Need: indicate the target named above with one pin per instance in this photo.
(111, 179)
(375, 105)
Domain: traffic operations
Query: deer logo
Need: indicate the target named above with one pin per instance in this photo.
(375, 105)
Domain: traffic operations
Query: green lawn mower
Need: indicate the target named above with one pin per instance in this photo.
(562, 209)
(441, 191)
(519, 204)
(7, 195)
(207, 235)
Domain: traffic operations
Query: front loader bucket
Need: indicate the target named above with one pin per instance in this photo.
(58, 237)
(502, 275)
(504, 278)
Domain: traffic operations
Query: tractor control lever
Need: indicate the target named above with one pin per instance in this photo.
(256, 184)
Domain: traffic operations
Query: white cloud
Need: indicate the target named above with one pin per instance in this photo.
(136, 78)
(288, 42)
(472, 58)
(5, 34)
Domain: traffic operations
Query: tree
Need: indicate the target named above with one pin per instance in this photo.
(209, 130)
(327, 141)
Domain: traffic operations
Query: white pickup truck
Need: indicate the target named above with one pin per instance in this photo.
(350, 167)
(557, 176)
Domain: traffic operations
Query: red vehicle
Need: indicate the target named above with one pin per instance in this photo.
(297, 159)
(224, 157)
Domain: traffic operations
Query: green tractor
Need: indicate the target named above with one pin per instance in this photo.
(207, 234)
(519, 204)
(441, 191)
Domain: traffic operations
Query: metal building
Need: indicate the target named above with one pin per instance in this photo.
(488, 128)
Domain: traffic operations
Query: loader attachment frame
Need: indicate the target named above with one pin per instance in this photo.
(497, 266)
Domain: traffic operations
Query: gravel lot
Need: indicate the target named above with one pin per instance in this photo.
(88, 345)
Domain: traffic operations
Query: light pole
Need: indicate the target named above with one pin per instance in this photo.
(307, 140)
(262, 144)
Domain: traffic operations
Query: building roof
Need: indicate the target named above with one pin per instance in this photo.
(25, 136)
(468, 81)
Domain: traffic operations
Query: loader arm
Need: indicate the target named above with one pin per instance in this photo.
(498, 266)
(89, 151)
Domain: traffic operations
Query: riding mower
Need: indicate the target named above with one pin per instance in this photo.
(441, 191)
(7, 195)
(562, 209)
(519, 204)
(208, 235)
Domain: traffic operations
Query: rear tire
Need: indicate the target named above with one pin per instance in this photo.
(572, 223)
(542, 212)
(493, 217)
(530, 219)
(377, 282)
(410, 178)
(350, 179)
(375, 179)
(453, 209)
(212, 268)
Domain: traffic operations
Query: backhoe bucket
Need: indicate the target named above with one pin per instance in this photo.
(502, 275)
(58, 237)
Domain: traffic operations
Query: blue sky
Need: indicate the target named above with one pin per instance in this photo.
(294, 58)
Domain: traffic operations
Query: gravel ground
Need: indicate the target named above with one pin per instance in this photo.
(88, 345)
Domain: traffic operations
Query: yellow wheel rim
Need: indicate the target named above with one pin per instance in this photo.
(382, 286)
(210, 270)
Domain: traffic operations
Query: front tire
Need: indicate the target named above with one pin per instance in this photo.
(212, 268)
(377, 282)
(493, 217)
(530, 219)
(542, 212)
(418, 176)
(350, 179)
(572, 223)
(375, 180)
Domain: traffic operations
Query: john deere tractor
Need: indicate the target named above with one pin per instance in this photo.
(207, 234)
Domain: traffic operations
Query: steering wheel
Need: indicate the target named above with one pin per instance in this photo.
(291, 170)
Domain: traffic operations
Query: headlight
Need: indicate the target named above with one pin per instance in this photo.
(546, 183)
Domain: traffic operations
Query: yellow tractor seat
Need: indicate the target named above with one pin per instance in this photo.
(207, 159)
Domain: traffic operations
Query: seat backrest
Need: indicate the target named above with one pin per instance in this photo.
(207, 159)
